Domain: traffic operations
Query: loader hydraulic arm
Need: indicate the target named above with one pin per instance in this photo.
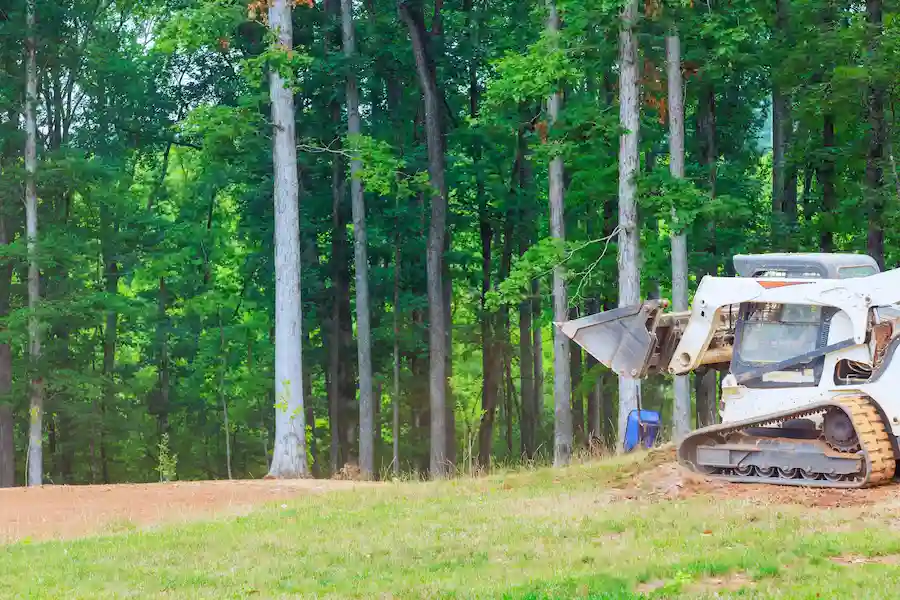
(637, 340)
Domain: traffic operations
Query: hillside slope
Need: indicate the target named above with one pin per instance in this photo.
(629, 527)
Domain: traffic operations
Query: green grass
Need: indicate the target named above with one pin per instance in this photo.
(536, 534)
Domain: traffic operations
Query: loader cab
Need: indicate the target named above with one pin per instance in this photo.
(767, 334)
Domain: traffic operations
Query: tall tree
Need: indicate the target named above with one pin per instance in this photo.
(289, 454)
(877, 136)
(681, 415)
(361, 260)
(629, 234)
(36, 411)
(411, 14)
(784, 172)
(395, 396)
(8, 151)
(562, 383)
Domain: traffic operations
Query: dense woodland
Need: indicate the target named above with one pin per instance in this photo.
(449, 178)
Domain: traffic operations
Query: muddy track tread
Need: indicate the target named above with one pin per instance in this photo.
(874, 440)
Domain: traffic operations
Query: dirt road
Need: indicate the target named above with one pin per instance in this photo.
(71, 511)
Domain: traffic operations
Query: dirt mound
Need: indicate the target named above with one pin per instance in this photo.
(49, 512)
(667, 481)
(672, 481)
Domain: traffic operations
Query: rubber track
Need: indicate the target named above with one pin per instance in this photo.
(874, 438)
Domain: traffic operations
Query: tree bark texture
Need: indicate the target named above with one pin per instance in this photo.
(361, 261)
(629, 234)
(489, 355)
(341, 378)
(36, 401)
(437, 236)
(681, 414)
(562, 383)
(289, 455)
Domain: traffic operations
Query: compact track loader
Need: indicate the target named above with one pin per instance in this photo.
(811, 391)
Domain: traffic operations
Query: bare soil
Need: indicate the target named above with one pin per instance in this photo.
(731, 582)
(62, 512)
(855, 559)
(671, 481)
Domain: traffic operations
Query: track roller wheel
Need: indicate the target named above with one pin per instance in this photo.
(810, 475)
(787, 473)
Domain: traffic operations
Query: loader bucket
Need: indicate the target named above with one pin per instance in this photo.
(624, 339)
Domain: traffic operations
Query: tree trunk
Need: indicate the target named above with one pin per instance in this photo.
(309, 401)
(527, 387)
(706, 132)
(577, 403)
(450, 422)
(395, 400)
(491, 379)
(160, 406)
(562, 384)
(709, 152)
(527, 370)
(681, 414)
(784, 171)
(361, 261)
(706, 383)
(502, 348)
(629, 274)
(875, 200)
(526, 379)
(36, 412)
(343, 413)
(289, 455)
(595, 395)
(111, 324)
(490, 382)
(7, 445)
(537, 349)
(826, 180)
(781, 117)
(437, 235)
(222, 398)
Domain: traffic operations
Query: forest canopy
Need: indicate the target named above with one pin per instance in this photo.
(454, 177)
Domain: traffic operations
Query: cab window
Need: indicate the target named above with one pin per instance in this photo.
(859, 271)
(771, 333)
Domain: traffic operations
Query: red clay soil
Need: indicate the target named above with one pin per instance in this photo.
(64, 512)
(671, 481)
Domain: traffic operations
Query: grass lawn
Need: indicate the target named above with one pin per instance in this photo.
(534, 534)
